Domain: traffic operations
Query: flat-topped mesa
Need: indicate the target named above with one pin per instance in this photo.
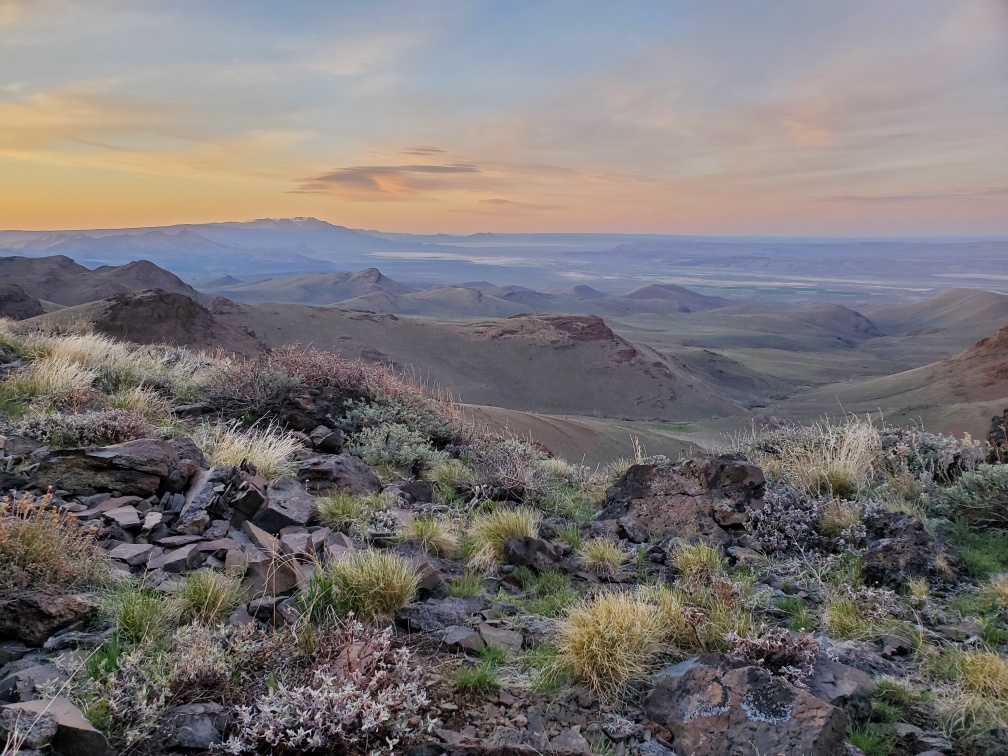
(582, 327)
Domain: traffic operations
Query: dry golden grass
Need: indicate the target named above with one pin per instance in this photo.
(674, 616)
(698, 562)
(145, 402)
(435, 535)
(448, 472)
(55, 377)
(997, 589)
(491, 531)
(837, 516)
(41, 546)
(832, 459)
(115, 363)
(977, 696)
(267, 447)
(618, 468)
(143, 616)
(342, 510)
(609, 641)
(207, 596)
(372, 584)
(558, 468)
(603, 556)
(9, 333)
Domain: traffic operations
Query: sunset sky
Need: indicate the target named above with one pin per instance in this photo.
(839, 118)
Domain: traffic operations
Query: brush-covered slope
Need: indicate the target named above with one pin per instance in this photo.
(315, 288)
(956, 394)
(552, 364)
(156, 317)
(442, 302)
(672, 298)
(59, 279)
(954, 308)
(16, 304)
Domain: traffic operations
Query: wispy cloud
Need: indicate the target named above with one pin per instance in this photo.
(663, 116)
(387, 181)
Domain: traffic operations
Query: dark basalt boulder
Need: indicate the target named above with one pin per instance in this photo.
(902, 550)
(703, 497)
(142, 468)
(34, 616)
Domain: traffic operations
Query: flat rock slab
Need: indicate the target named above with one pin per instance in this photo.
(134, 554)
(125, 517)
(178, 560)
(499, 637)
(136, 467)
(287, 503)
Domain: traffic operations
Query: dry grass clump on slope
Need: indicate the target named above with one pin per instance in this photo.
(491, 532)
(268, 447)
(41, 546)
(609, 640)
(834, 459)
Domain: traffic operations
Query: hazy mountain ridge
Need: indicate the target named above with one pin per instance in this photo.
(61, 280)
(756, 269)
(654, 359)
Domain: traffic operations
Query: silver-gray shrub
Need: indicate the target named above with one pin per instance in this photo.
(368, 694)
(65, 429)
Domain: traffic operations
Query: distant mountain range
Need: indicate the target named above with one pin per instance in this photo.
(372, 291)
(665, 353)
(60, 280)
(751, 269)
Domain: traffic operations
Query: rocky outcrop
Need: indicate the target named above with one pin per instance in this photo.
(140, 468)
(15, 303)
(713, 706)
(703, 498)
(901, 550)
(32, 617)
(69, 733)
(324, 473)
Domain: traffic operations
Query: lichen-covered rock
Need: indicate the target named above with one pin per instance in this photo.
(74, 735)
(703, 497)
(34, 730)
(842, 685)
(438, 614)
(712, 706)
(532, 552)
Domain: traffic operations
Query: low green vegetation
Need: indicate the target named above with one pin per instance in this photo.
(482, 678)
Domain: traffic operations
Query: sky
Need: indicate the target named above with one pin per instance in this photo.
(833, 118)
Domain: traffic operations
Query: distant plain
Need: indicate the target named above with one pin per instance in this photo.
(698, 337)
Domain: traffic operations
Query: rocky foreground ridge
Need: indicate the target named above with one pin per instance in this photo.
(390, 581)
